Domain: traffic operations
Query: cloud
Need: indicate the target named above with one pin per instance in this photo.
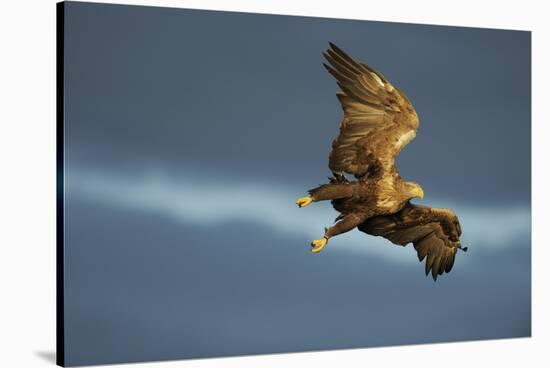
(206, 200)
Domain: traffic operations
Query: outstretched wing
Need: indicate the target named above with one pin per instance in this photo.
(378, 119)
(435, 234)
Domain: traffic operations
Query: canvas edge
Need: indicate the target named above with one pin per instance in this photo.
(60, 246)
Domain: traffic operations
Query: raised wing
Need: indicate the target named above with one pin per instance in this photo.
(378, 119)
(435, 234)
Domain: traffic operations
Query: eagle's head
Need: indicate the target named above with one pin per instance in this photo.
(414, 190)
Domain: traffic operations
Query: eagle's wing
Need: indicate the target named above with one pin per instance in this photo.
(378, 119)
(435, 234)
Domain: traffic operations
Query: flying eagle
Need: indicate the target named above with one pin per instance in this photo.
(379, 121)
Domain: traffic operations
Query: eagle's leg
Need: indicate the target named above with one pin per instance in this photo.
(327, 192)
(348, 222)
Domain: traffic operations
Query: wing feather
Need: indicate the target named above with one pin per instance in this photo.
(378, 119)
(435, 234)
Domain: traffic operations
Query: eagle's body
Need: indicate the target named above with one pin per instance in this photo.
(379, 121)
(388, 193)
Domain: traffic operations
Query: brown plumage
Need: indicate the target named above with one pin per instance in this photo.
(379, 121)
(435, 234)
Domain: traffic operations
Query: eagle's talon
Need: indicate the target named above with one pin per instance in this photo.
(304, 201)
(318, 245)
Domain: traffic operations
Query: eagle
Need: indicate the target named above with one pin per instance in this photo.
(379, 121)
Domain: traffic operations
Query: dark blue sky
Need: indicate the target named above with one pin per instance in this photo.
(190, 133)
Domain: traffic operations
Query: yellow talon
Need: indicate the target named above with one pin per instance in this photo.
(318, 245)
(304, 201)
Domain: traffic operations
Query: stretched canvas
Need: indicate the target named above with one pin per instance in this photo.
(195, 216)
